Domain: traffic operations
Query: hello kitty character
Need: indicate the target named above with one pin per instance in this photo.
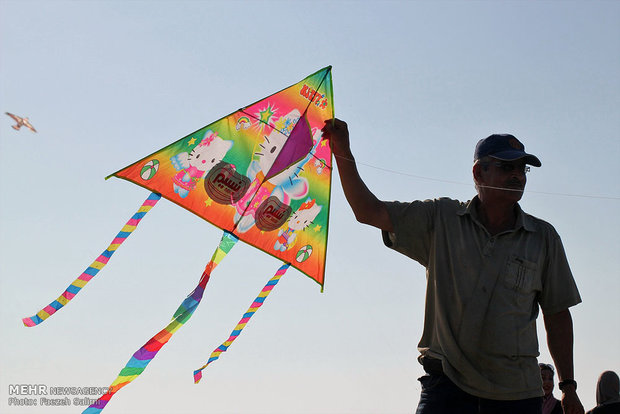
(285, 185)
(299, 221)
(194, 166)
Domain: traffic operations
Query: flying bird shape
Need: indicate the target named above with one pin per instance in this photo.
(20, 122)
(243, 173)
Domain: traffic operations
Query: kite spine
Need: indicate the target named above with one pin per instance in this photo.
(143, 356)
(258, 302)
(96, 266)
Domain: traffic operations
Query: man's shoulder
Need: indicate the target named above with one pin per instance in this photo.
(427, 210)
(539, 225)
(440, 203)
(450, 203)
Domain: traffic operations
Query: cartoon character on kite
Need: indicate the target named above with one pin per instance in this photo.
(299, 221)
(194, 166)
(271, 140)
(284, 186)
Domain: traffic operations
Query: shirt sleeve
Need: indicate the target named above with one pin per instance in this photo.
(559, 290)
(413, 226)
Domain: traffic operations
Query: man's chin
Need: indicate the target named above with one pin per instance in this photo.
(518, 195)
(514, 194)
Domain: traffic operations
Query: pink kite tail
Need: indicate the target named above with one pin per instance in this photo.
(143, 356)
(95, 267)
(258, 302)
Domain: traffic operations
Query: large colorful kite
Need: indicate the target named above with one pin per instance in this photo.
(262, 174)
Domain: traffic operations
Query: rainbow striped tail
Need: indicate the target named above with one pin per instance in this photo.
(143, 356)
(95, 267)
(258, 302)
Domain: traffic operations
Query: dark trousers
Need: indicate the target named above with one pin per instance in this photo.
(442, 396)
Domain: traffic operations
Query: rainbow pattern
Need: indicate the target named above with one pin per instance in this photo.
(258, 302)
(143, 356)
(92, 270)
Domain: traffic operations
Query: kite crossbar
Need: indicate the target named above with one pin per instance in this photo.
(92, 270)
(258, 302)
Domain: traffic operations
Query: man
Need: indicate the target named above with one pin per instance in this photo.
(489, 267)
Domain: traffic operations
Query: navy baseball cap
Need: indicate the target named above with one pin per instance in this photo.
(504, 147)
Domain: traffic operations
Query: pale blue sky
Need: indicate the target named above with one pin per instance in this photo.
(106, 83)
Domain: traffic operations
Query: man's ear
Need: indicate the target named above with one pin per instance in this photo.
(477, 172)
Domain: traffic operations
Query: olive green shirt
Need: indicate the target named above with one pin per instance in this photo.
(483, 292)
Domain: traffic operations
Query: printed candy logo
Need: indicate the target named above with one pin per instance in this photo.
(272, 214)
(225, 185)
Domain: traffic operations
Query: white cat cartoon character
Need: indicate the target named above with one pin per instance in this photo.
(194, 166)
(299, 221)
(285, 186)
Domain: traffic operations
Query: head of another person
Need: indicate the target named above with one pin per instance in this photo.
(500, 165)
(546, 373)
(607, 388)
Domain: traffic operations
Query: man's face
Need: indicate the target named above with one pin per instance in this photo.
(501, 180)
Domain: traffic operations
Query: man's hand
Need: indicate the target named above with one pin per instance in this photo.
(337, 133)
(570, 401)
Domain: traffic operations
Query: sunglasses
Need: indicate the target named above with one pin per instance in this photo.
(508, 167)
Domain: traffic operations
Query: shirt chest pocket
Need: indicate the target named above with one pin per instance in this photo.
(521, 275)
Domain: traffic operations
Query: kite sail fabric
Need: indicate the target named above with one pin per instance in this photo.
(258, 302)
(143, 356)
(262, 173)
(92, 270)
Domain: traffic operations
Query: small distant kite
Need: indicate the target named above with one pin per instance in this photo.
(20, 122)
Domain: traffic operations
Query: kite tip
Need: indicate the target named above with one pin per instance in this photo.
(197, 376)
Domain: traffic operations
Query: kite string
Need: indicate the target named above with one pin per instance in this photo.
(143, 356)
(92, 270)
(468, 184)
(258, 302)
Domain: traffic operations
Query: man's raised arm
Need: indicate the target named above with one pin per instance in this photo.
(368, 209)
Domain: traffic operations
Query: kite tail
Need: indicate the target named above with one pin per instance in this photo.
(258, 302)
(96, 266)
(148, 351)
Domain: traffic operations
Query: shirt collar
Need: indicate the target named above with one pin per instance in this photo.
(523, 219)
